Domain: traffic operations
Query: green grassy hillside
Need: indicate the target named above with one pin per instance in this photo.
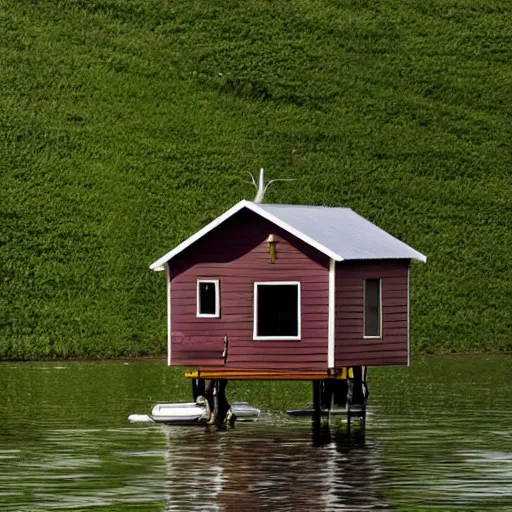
(126, 125)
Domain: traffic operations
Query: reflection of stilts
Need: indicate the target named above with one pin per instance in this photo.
(271, 465)
(340, 397)
(357, 396)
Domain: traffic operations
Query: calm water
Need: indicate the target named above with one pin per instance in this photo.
(438, 437)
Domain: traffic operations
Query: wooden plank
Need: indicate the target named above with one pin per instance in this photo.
(233, 279)
(356, 321)
(355, 282)
(241, 269)
(357, 337)
(189, 299)
(360, 341)
(214, 349)
(247, 343)
(393, 361)
(394, 324)
(400, 316)
(315, 288)
(370, 356)
(373, 355)
(247, 334)
(399, 331)
(277, 365)
(351, 318)
(279, 355)
(352, 300)
(349, 308)
(216, 325)
(343, 328)
(354, 359)
(387, 295)
(189, 361)
(260, 375)
(394, 308)
(375, 348)
(385, 273)
(317, 313)
(343, 289)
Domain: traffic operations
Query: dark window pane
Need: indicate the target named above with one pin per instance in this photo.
(277, 310)
(372, 307)
(207, 298)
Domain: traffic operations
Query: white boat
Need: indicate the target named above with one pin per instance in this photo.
(193, 413)
(140, 418)
(244, 412)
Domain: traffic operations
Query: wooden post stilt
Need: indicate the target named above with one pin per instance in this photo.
(198, 388)
(222, 402)
(316, 423)
(210, 395)
(317, 402)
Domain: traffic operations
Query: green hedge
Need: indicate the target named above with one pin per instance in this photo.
(126, 125)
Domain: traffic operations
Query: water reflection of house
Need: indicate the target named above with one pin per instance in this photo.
(257, 468)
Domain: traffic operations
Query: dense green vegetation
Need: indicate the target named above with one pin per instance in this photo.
(126, 125)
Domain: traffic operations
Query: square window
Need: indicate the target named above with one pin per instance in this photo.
(372, 308)
(208, 298)
(277, 311)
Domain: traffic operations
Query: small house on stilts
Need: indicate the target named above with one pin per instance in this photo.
(271, 291)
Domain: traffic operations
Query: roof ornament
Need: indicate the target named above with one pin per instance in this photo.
(261, 187)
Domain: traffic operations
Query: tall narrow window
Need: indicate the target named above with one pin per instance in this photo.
(208, 299)
(372, 308)
(277, 311)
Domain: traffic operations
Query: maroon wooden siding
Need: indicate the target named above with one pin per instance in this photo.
(351, 348)
(237, 254)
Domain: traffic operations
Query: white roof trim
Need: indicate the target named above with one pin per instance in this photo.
(158, 265)
(262, 212)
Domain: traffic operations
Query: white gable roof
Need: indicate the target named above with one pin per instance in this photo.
(340, 233)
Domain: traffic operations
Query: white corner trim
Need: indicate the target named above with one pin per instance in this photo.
(409, 315)
(255, 310)
(158, 265)
(331, 338)
(169, 325)
(217, 299)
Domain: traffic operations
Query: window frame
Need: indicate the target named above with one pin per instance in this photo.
(379, 337)
(255, 311)
(216, 283)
